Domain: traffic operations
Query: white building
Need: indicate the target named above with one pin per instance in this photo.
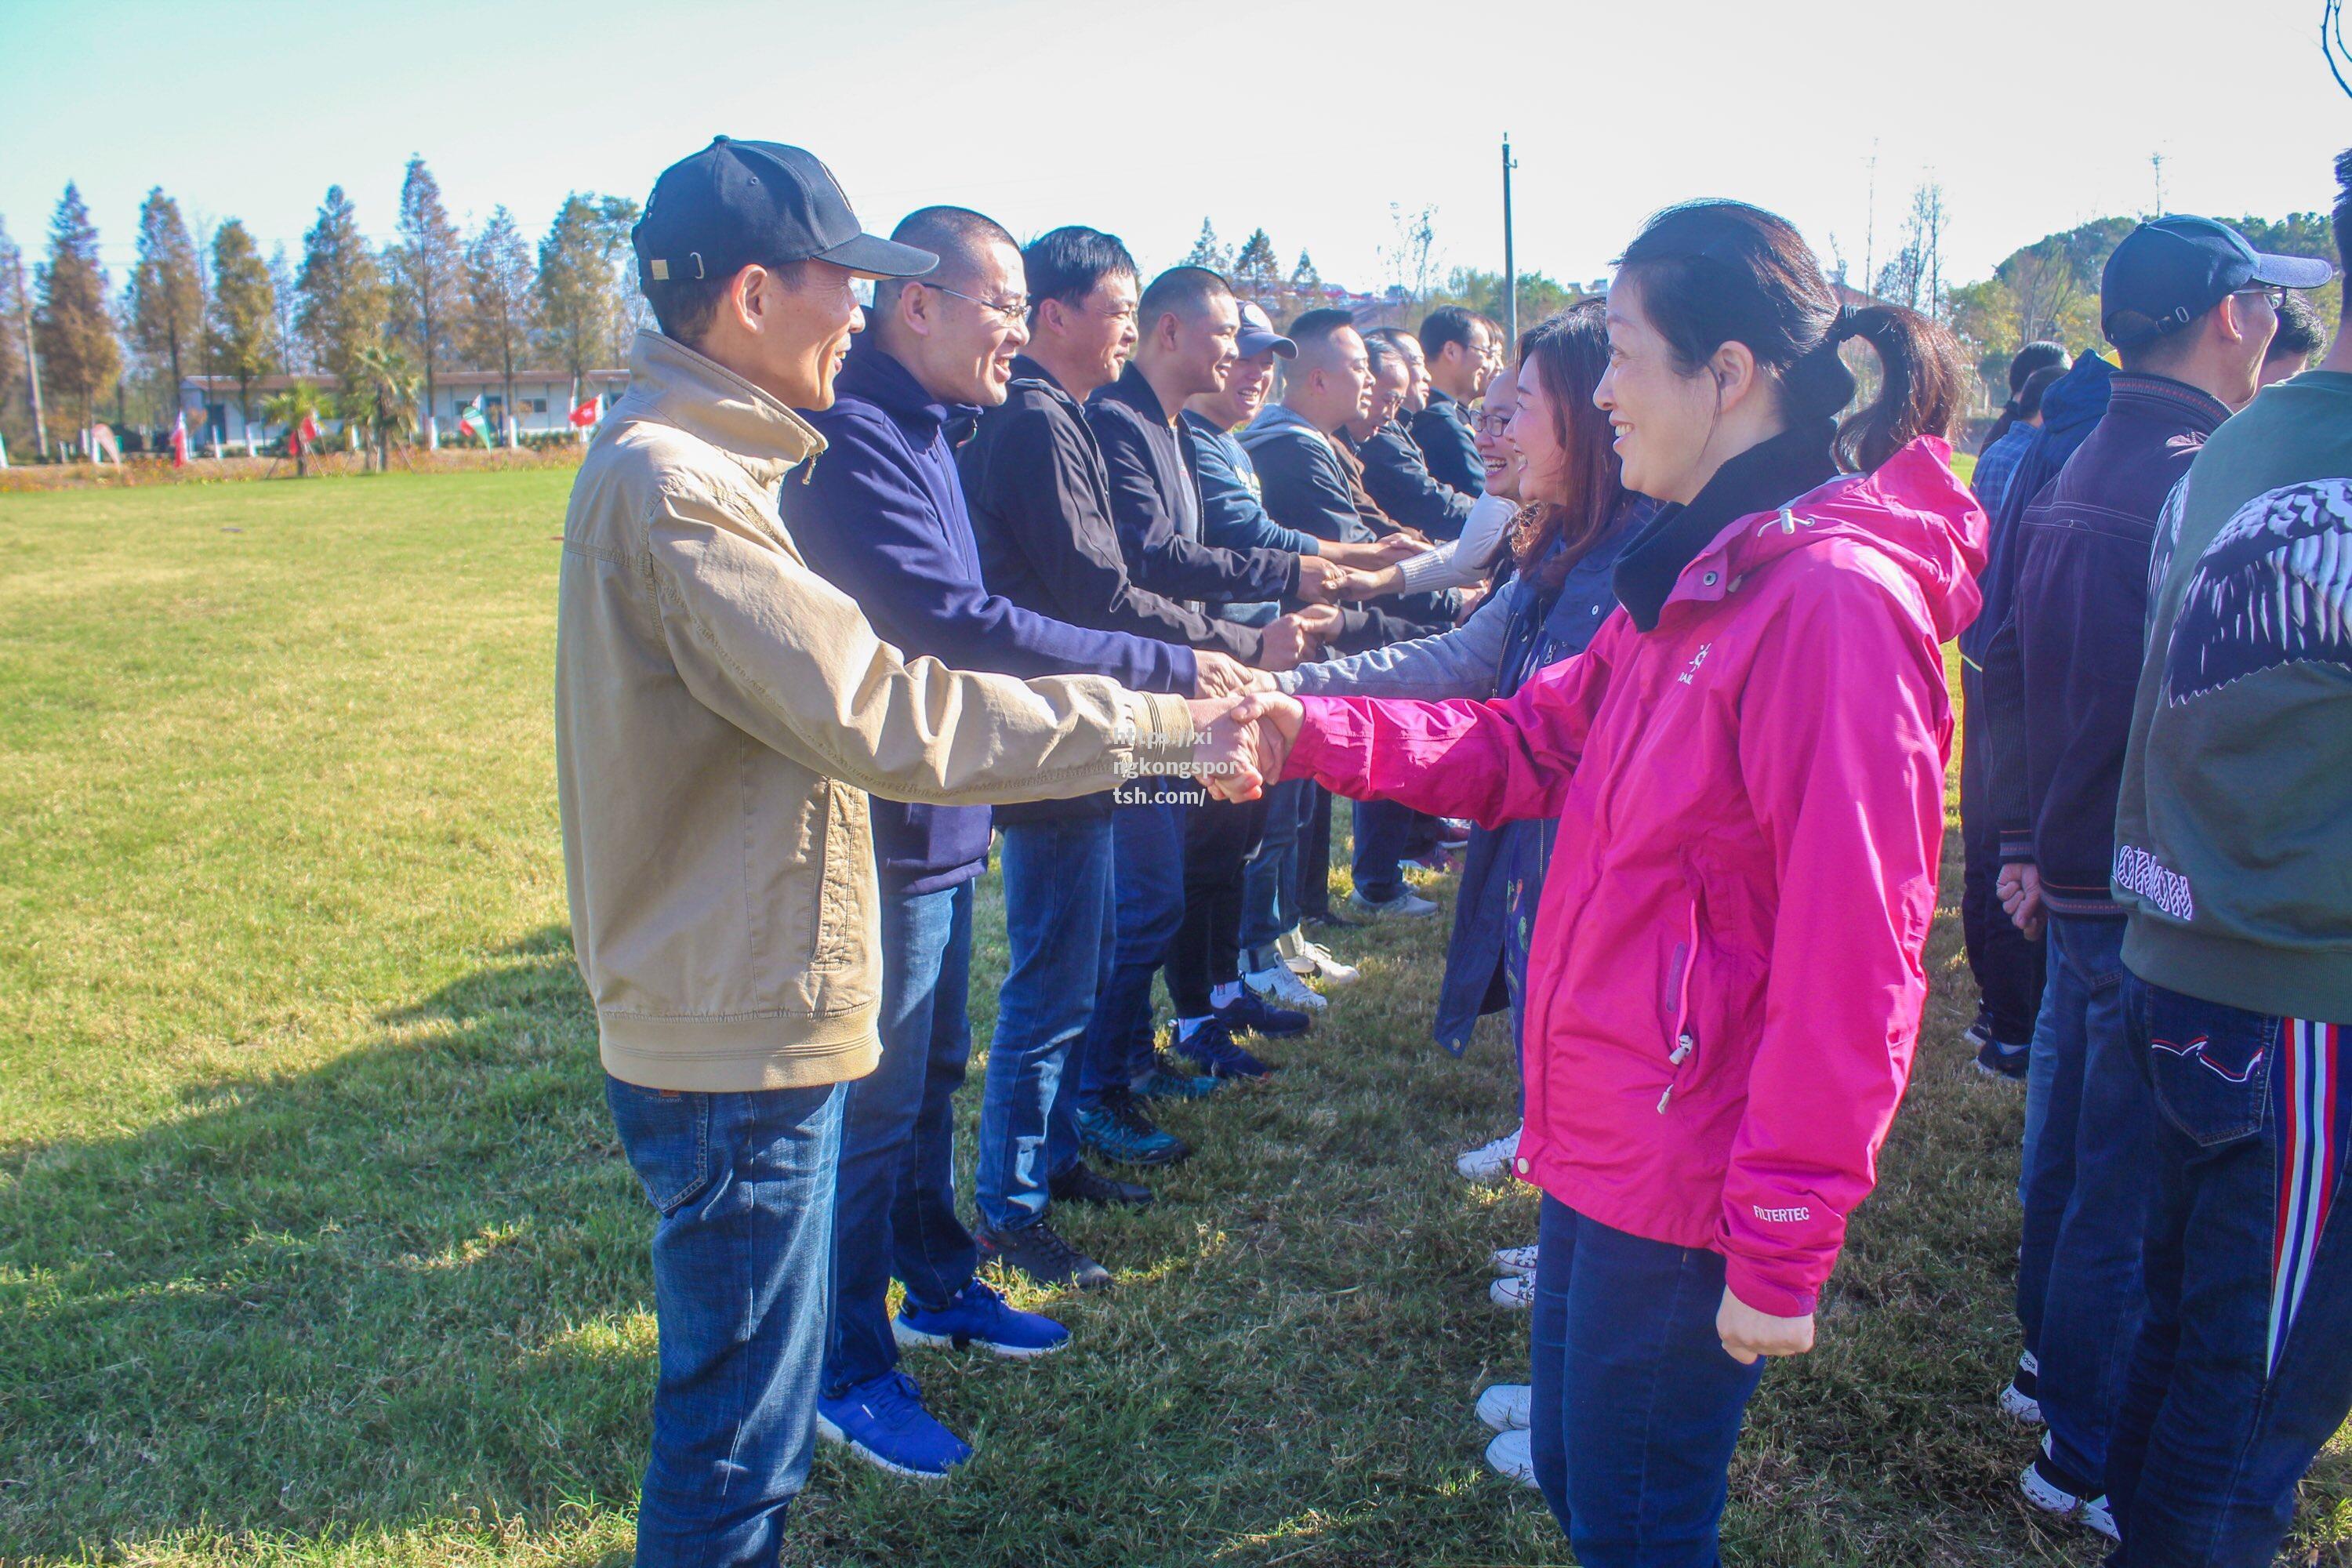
(542, 403)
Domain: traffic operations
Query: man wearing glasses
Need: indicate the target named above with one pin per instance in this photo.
(2191, 308)
(882, 517)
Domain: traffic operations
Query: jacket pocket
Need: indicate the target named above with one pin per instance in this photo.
(1682, 1024)
(2208, 1066)
(845, 882)
(666, 1136)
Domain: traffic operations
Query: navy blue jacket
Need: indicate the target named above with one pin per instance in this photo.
(1155, 500)
(1233, 514)
(2071, 410)
(1443, 432)
(1398, 477)
(2061, 673)
(880, 515)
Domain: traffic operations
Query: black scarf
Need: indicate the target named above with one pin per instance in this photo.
(1758, 479)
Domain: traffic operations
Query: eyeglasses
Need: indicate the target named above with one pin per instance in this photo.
(1492, 424)
(2275, 292)
(1010, 310)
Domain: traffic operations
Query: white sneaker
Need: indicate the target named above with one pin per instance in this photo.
(1511, 1456)
(2049, 1489)
(1284, 989)
(1518, 1260)
(2021, 1400)
(1310, 959)
(1504, 1406)
(1512, 1292)
(1490, 1161)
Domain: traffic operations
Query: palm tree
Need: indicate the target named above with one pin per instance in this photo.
(289, 408)
(383, 396)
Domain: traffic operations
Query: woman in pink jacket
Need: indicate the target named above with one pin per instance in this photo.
(1748, 769)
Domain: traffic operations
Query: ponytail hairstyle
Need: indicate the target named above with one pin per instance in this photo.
(1568, 351)
(1716, 272)
(2028, 363)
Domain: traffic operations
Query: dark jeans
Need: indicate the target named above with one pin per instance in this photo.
(1314, 852)
(1147, 905)
(1384, 833)
(1219, 837)
(2243, 1367)
(1270, 879)
(742, 1261)
(2078, 1277)
(2007, 967)
(894, 1204)
(1636, 1404)
(1056, 872)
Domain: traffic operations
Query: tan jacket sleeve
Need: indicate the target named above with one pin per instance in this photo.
(787, 658)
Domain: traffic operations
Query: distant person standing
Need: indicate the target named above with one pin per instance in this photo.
(2233, 838)
(722, 713)
(1462, 360)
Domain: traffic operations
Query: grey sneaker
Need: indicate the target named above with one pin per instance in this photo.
(1407, 905)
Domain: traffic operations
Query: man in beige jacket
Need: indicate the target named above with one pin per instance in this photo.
(721, 714)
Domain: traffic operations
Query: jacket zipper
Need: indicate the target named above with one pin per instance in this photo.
(1685, 960)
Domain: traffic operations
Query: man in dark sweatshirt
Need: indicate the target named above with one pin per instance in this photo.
(2234, 857)
(1396, 475)
(881, 515)
(2190, 307)
(1462, 358)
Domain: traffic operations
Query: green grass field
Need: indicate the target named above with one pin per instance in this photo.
(315, 1245)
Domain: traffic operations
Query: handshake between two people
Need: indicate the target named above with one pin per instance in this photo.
(1240, 742)
(1285, 643)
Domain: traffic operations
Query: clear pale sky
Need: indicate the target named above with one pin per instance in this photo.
(1310, 119)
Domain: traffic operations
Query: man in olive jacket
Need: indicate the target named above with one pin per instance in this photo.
(721, 714)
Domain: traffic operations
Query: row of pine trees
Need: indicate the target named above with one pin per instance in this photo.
(383, 322)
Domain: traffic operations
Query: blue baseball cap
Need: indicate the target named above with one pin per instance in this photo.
(1257, 334)
(2170, 271)
(737, 203)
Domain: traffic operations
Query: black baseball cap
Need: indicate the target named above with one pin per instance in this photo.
(2170, 271)
(737, 203)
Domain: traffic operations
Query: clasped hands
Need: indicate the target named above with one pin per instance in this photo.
(1240, 742)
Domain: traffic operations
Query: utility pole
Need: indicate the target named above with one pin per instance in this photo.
(1510, 262)
(1870, 229)
(2156, 162)
(32, 363)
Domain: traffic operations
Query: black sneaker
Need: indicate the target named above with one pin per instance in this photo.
(1331, 920)
(1037, 1250)
(1082, 1184)
(1254, 1012)
(1997, 1060)
(1212, 1045)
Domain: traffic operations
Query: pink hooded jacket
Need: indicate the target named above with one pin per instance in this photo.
(1727, 981)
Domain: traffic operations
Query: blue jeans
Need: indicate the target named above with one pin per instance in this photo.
(2078, 1276)
(1147, 905)
(2243, 1367)
(1055, 874)
(1270, 880)
(1385, 832)
(894, 1206)
(1636, 1404)
(742, 1263)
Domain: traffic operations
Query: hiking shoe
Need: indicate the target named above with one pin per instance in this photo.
(1212, 1045)
(883, 1421)
(2052, 1490)
(1512, 1456)
(1504, 1406)
(1169, 1081)
(1082, 1184)
(1280, 988)
(1407, 905)
(1519, 1260)
(1490, 1161)
(1037, 1250)
(1117, 1129)
(2021, 1400)
(979, 1316)
(1310, 959)
(1249, 1011)
(1512, 1292)
(2006, 1062)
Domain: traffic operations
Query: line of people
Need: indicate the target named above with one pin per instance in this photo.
(1631, 620)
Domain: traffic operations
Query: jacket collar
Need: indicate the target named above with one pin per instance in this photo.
(875, 375)
(1027, 369)
(1273, 417)
(2161, 397)
(713, 403)
(1758, 479)
(1133, 390)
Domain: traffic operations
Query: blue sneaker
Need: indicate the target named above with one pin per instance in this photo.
(1212, 1045)
(1254, 1012)
(883, 1422)
(1117, 1129)
(1169, 1081)
(978, 1316)
(1997, 1060)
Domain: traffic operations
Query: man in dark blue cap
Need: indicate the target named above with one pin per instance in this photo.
(721, 712)
(2191, 308)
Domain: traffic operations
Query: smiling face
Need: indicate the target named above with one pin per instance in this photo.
(1193, 348)
(1417, 392)
(1497, 437)
(787, 332)
(960, 349)
(1101, 331)
(1663, 417)
(1245, 393)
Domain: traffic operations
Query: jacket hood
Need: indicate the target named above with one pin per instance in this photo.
(1912, 509)
(2077, 400)
(711, 402)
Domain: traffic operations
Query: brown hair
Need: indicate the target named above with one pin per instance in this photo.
(1567, 353)
(1715, 272)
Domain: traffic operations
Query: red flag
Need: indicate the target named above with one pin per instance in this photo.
(309, 430)
(180, 440)
(589, 413)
